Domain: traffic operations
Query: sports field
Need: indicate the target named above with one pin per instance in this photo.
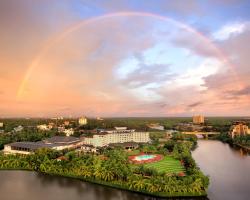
(167, 165)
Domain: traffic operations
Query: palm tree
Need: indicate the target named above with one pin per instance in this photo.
(107, 175)
(98, 173)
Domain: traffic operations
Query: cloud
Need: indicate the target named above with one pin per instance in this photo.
(195, 45)
(244, 91)
(232, 85)
(145, 74)
(229, 30)
(195, 104)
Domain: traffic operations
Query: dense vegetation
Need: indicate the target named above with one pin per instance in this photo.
(113, 168)
(243, 140)
(32, 135)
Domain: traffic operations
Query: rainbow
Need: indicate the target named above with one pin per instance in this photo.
(50, 43)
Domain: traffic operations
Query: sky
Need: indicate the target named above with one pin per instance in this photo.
(124, 58)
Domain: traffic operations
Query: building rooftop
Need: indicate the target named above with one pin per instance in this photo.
(61, 140)
(30, 145)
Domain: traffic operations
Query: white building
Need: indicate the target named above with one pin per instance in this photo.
(69, 131)
(82, 121)
(44, 127)
(117, 135)
(18, 129)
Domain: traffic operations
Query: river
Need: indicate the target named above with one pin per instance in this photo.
(228, 168)
(229, 173)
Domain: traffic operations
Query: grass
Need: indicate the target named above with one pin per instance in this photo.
(166, 165)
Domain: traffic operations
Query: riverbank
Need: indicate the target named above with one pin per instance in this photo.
(242, 146)
(226, 139)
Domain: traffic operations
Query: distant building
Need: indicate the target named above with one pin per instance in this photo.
(69, 131)
(57, 118)
(18, 129)
(82, 121)
(56, 142)
(88, 148)
(60, 129)
(44, 127)
(156, 126)
(1, 127)
(238, 129)
(198, 119)
(116, 135)
(66, 123)
(99, 119)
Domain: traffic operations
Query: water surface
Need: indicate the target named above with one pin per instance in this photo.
(228, 168)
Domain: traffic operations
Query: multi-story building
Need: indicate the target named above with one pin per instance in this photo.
(117, 135)
(44, 127)
(1, 127)
(198, 119)
(82, 121)
(238, 129)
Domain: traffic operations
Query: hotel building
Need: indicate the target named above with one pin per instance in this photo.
(238, 129)
(82, 121)
(117, 135)
(198, 119)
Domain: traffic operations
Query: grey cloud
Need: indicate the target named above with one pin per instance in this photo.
(195, 104)
(194, 44)
(244, 91)
(147, 73)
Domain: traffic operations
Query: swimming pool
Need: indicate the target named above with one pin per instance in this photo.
(144, 157)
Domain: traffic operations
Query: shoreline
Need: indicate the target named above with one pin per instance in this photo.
(242, 146)
(116, 186)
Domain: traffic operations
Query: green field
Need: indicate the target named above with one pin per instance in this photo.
(167, 165)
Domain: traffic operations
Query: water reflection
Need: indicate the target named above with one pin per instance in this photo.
(227, 167)
(23, 185)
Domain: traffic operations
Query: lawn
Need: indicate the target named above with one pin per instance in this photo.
(167, 165)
